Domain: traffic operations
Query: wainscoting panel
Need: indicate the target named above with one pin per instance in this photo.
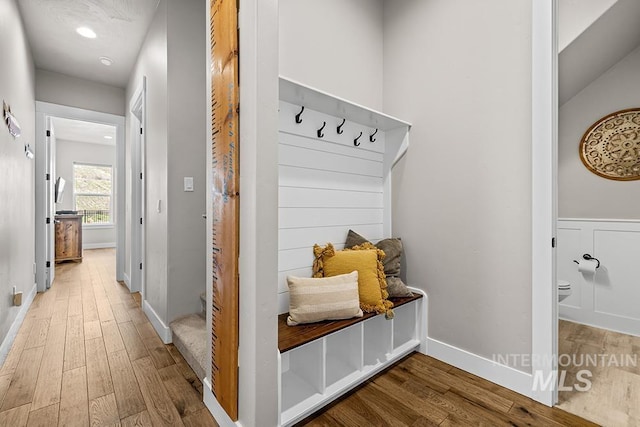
(610, 299)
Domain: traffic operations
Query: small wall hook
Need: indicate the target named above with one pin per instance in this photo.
(355, 141)
(339, 128)
(298, 119)
(320, 134)
(371, 137)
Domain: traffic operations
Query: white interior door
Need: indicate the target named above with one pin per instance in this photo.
(138, 220)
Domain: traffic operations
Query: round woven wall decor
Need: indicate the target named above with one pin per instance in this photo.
(611, 146)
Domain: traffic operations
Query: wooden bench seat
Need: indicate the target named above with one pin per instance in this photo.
(290, 337)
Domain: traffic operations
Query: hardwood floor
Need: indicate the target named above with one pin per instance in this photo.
(87, 355)
(422, 391)
(613, 397)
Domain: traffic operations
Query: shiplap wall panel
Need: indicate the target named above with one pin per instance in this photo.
(295, 176)
(326, 187)
(323, 160)
(314, 217)
(293, 239)
(291, 197)
(313, 120)
(322, 144)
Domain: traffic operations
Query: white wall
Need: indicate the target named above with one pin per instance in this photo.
(575, 16)
(68, 152)
(462, 194)
(152, 63)
(17, 212)
(582, 194)
(80, 93)
(334, 46)
(173, 61)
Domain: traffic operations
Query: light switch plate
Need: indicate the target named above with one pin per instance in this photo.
(188, 183)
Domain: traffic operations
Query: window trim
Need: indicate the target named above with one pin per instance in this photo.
(111, 223)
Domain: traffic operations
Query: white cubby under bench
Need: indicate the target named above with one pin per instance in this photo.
(335, 160)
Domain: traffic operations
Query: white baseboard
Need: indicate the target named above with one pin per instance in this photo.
(506, 376)
(210, 401)
(101, 245)
(127, 280)
(162, 329)
(17, 322)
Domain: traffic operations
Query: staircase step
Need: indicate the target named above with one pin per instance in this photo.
(190, 338)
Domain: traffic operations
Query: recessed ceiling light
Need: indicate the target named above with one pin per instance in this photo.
(106, 61)
(86, 32)
(108, 137)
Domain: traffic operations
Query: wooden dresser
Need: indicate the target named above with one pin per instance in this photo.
(68, 237)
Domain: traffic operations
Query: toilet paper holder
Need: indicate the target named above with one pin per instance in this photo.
(589, 257)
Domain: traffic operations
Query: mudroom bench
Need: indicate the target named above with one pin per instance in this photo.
(321, 361)
(335, 159)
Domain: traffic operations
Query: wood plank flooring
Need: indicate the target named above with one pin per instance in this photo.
(86, 354)
(422, 391)
(613, 397)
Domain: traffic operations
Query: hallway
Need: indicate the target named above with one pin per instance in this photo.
(86, 354)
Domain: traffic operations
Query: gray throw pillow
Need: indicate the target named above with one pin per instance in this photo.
(392, 249)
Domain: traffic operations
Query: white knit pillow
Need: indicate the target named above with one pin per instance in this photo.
(328, 298)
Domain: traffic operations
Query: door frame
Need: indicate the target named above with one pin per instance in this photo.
(45, 110)
(137, 114)
(544, 150)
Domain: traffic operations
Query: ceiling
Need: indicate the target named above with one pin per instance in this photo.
(79, 131)
(601, 45)
(120, 26)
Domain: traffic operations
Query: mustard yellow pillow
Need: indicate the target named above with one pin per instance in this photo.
(366, 259)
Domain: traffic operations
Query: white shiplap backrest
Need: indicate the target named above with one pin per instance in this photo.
(327, 185)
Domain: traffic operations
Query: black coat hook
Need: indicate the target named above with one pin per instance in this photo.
(339, 128)
(355, 141)
(298, 119)
(320, 134)
(371, 137)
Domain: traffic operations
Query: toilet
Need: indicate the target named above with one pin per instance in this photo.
(564, 289)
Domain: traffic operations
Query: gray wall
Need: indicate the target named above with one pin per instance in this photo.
(582, 194)
(75, 92)
(17, 209)
(68, 152)
(462, 194)
(187, 143)
(152, 63)
(173, 61)
(334, 46)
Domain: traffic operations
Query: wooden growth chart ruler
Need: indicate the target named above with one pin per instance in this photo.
(226, 209)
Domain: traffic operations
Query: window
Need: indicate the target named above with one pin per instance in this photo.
(93, 193)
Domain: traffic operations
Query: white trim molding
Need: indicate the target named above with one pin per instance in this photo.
(544, 135)
(219, 414)
(163, 330)
(506, 376)
(15, 326)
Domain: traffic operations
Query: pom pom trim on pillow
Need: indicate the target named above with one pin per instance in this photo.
(377, 304)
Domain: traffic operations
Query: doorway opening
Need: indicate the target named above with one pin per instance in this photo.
(80, 197)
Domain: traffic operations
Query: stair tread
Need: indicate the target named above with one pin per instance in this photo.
(191, 332)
